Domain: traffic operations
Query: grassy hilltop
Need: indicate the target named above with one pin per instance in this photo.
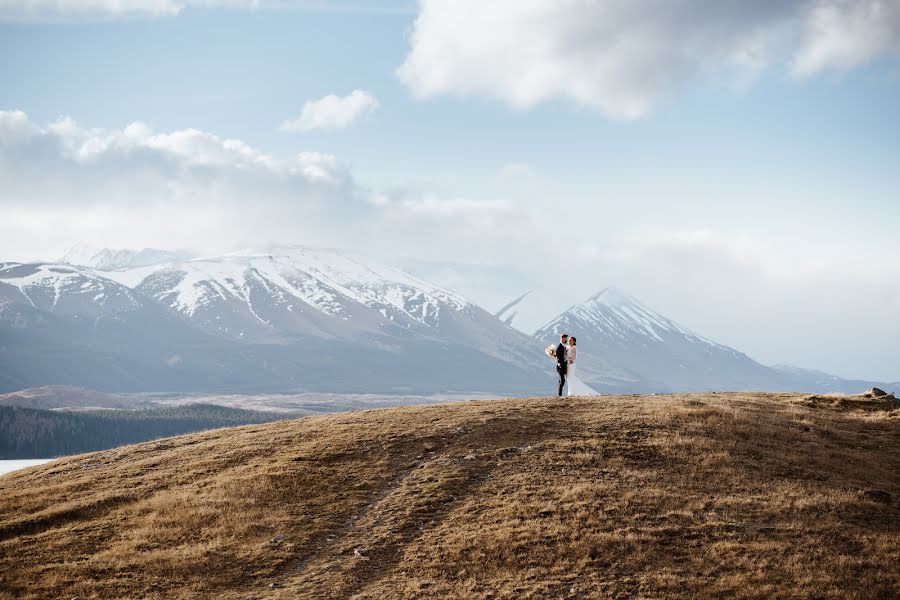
(696, 495)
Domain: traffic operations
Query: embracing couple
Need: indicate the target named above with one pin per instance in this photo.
(566, 357)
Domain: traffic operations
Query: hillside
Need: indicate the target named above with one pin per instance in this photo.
(709, 495)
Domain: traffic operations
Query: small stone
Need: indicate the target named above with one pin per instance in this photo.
(469, 457)
(876, 393)
(276, 540)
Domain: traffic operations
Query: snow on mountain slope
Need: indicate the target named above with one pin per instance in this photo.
(622, 342)
(297, 289)
(108, 259)
(624, 317)
(64, 289)
(304, 318)
(289, 318)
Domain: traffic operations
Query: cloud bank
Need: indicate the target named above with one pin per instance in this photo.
(333, 112)
(831, 306)
(623, 57)
(63, 183)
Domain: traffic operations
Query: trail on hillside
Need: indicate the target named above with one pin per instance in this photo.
(696, 495)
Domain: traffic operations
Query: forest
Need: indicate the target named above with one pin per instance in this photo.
(35, 433)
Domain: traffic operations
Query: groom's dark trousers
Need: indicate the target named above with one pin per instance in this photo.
(561, 367)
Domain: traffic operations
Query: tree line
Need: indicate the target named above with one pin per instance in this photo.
(36, 433)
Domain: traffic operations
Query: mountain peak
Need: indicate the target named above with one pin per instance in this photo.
(611, 296)
(112, 259)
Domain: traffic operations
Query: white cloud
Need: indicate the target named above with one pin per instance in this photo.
(63, 183)
(842, 34)
(332, 112)
(623, 56)
(782, 301)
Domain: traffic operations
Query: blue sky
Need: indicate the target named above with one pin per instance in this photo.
(726, 164)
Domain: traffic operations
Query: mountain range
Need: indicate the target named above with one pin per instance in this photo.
(626, 344)
(287, 319)
(297, 318)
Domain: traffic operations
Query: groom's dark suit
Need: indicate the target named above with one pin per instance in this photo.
(561, 366)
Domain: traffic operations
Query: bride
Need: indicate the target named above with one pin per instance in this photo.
(575, 387)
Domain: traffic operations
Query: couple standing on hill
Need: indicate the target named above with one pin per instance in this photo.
(566, 356)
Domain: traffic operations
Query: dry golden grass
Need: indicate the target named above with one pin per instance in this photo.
(697, 495)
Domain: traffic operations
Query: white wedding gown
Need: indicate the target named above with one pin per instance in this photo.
(575, 386)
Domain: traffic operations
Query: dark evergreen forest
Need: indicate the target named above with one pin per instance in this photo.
(35, 433)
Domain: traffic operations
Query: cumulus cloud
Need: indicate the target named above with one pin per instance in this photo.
(332, 112)
(180, 188)
(63, 183)
(623, 56)
(842, 34)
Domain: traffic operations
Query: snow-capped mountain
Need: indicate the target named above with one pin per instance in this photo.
(522, 301)
(297, 290)
(63, 289)
(70, 325)
(626, 345)
(287, 318)
(108, 259)
(290, 292)
(299, 318)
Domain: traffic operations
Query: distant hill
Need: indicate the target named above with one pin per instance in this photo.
(686, 496)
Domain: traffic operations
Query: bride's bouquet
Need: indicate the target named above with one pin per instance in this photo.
(551, 351)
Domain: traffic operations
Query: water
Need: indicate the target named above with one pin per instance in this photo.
(7, 466)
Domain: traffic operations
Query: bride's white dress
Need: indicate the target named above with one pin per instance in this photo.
(575, 386)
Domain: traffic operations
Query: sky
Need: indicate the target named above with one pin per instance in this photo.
(734, 165)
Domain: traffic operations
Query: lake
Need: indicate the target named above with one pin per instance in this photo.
(7, 466)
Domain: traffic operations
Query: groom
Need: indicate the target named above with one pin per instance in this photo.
(561, 366)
